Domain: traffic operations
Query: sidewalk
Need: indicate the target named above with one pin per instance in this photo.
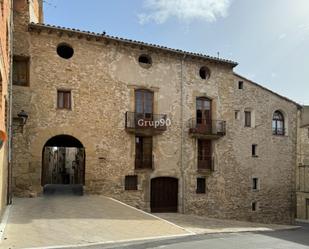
(203, 225)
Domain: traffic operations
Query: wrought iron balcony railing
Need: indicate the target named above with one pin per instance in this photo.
(139, 122)
(212, 128)
(279, 131)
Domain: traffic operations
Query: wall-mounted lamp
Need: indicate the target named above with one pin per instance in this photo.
(23, 116)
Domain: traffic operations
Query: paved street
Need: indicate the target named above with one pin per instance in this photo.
(287, 239)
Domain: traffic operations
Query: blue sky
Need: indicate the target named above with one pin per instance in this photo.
(268, 38)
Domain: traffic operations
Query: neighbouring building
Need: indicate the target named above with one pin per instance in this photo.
(5, 79)
(161, 129)
(302, 187)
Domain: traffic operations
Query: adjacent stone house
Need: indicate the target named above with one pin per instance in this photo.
(5, 79)
(161, 129)
(302, 171)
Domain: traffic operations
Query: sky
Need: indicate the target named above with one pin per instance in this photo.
(268, 38)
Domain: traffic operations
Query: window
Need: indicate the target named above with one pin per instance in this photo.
(203, 113)
(278, 123)
(240, 85)
(204, 73)
(247, 119)
(200, 185)
(143, 152)
(255, 183)
(237, 115)
(145, 61)
(204, 154)
(144, 101)
(65, 51)
(254, 150)
(21, 71)
(254, 206)
(131, 182)
(64, 99)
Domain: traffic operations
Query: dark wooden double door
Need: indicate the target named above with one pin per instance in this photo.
(164, 194)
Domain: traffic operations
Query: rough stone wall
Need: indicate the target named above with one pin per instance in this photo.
(302, 169)
(102, 77)
(5, 46)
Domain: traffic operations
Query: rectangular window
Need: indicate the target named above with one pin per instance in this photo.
(255, 183)
(254, 206)
(254, 150)
(21, 71)
(237, 115)
(131, 182)
(247, 119)
(143, 152)
(204, 154)
(200, 185)
(240, 85)
(63, 99)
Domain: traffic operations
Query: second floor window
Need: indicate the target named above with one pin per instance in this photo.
(63, 99)
(143, 152)
(204, 154)
(143, 101)
(278, 123)
(247, 119)
(21, 71)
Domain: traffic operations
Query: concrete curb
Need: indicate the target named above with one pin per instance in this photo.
(4, 221)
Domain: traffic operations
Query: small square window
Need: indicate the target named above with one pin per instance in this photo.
(254, 150)
(255, 183)
(254, 206)
(63, 99)
(200, 185)
(130, 182)
(237, 115)
(240, 85)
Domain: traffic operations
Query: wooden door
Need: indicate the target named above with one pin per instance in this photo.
(164, 194)
(203, 115)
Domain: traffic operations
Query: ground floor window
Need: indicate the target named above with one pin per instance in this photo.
(131, 182)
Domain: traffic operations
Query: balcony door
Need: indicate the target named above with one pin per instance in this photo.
(143, 105)
(203, 114)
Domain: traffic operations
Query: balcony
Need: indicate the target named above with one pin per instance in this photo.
(145, 124)
(205, 164)
(207, 130)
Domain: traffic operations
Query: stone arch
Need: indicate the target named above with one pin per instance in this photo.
(63, 161)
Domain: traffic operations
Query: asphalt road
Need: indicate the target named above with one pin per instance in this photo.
(287, 239)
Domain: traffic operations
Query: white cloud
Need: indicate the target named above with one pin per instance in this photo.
(185, 10)
(282, 36)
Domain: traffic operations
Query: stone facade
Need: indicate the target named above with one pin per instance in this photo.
(102, 76)
(5, 54)
(302, 173)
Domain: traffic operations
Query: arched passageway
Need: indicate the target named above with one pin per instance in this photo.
(63, 161)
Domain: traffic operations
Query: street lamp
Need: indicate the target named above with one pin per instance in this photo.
(23, 116)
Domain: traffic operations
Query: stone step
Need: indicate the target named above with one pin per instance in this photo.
(63, 189)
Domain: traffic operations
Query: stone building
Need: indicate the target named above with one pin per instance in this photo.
(161, 129)
(5, 79)
(302, 171)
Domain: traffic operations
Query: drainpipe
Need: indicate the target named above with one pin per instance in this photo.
(182, 132)
(9, 187)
